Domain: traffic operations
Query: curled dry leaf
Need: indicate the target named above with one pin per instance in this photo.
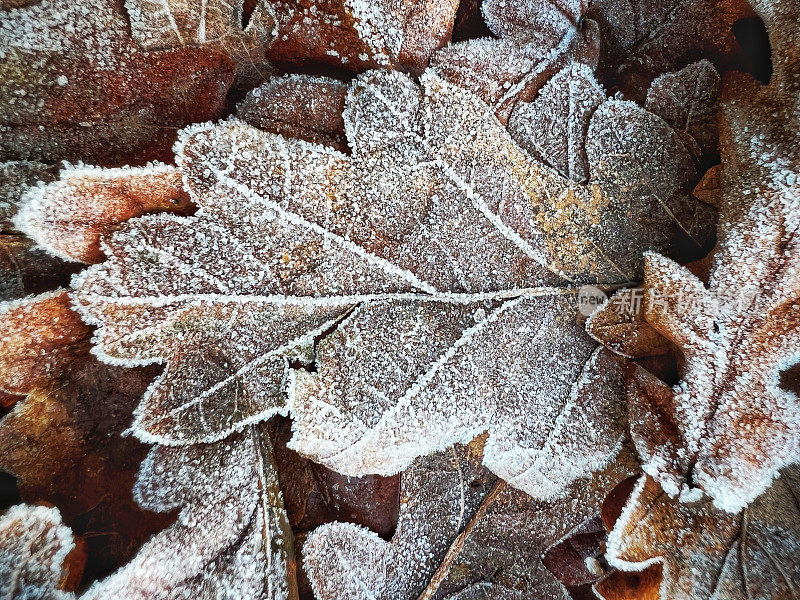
(231, 539)
(217, 24)
(24, 268)
(445, 270)
(707, 553)
(729, 426)
(70, 216)
(73, 85)
(38, 555)
(361, 34)
(301, 107)
(479, 538)
(537, 38)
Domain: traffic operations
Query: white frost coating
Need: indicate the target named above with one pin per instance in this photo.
(232, 540)
(33, 546)
(59, 216)
(553, 127)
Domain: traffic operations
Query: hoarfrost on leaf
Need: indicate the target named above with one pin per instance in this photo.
(707, 553)
(232, 538)
(458, 526)
(398, 270)
(34, 551)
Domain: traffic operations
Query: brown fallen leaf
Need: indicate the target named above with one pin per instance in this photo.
(462, 533)
(359, 35)
(215, 24)
(71, 216)
(301, 107)
(39, 558)
(708, 553)
(85, 91)
(63, 441)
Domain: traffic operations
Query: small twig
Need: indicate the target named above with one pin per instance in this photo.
(458, 543)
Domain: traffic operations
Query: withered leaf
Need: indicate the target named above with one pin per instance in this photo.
(707, 553)
(537, 38)
(431, 240)
(217, 24)
(361, 34)
(462, 533)
(687, 100)
(299, 106)
(730, 425)
(38, 556)
(70, 216)
(74, 85)
(231, 539)
(62, 440)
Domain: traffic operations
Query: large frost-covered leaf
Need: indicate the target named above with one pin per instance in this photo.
(231, 540)
(709, 554)
(35, 549)
(74, 85)
(424, 252)
(461, 530)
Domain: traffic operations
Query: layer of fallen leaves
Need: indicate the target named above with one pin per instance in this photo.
(396, 263)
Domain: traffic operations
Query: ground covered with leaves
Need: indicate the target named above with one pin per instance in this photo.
(399, 299)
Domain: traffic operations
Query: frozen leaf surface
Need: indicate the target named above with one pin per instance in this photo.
(707, 553)
(553, 127)
(412, 261)
(361, 34)
(231, 540)
(462, 533)
(35, 552)
(70, 216)
(687, 100)
(217, 24)
(74, 85)
(536, 39)
(300, 107)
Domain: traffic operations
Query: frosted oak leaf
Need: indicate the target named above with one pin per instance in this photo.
(480, 538)
(37, 553)
(231, 538)
(418, 261)
(707, 553)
